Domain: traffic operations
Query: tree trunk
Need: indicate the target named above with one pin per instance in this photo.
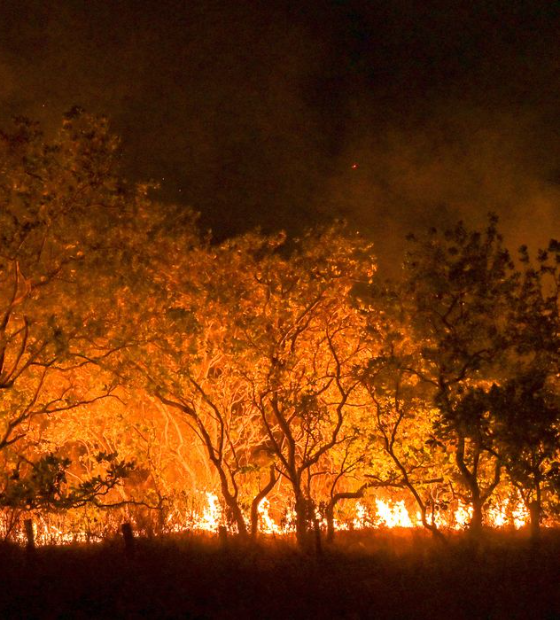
(470, 478)
(535, 513)
(232, 504)
(329, 513)
(317, 536)
(259, 497)
(238, 518)
(431, 527)
(475, 526)
(302, 528)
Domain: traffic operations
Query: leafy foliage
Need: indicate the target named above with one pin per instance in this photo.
(44, 486)
(261, 365)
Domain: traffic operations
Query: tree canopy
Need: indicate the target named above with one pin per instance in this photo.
(143, 364)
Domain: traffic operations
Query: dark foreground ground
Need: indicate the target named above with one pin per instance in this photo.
(391, 575)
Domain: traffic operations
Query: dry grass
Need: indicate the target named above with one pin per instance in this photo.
(365, 575)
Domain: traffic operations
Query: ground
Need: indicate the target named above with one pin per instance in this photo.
(365, 575)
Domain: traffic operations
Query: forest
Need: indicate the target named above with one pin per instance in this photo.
(264, 384)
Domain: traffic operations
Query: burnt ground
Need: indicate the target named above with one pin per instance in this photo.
(366, 575)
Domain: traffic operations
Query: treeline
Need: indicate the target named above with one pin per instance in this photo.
(141, 362)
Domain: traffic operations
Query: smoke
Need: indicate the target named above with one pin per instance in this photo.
(462, 163)
(395, 115)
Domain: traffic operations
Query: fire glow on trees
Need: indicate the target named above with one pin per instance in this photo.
(263, 384)
(384, 514)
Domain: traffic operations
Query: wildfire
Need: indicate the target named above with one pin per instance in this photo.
(508, 513)
(462, 516)
(362, 516)
(395, 515)
(267, 524)
(387, 514)
(382, 513)
(212, 517)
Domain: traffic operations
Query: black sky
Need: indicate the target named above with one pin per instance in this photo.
(393, 114)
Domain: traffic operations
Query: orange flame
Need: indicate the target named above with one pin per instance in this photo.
(386, 514)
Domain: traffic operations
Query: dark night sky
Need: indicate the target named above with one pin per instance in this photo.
(255, 112)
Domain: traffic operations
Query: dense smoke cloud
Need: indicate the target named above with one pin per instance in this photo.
(395, 115)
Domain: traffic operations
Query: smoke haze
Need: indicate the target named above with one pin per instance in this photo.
(396, 115)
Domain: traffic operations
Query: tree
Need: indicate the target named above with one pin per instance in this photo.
(192, 356)
(306, 337)
(43, 484)
(345, 470)
(62, 214)
(403, 426)
(527, 416)
(526, 407)
(400, 413)
(457, 291)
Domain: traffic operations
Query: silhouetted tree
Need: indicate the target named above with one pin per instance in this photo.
(457, 291)
(526, 407)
